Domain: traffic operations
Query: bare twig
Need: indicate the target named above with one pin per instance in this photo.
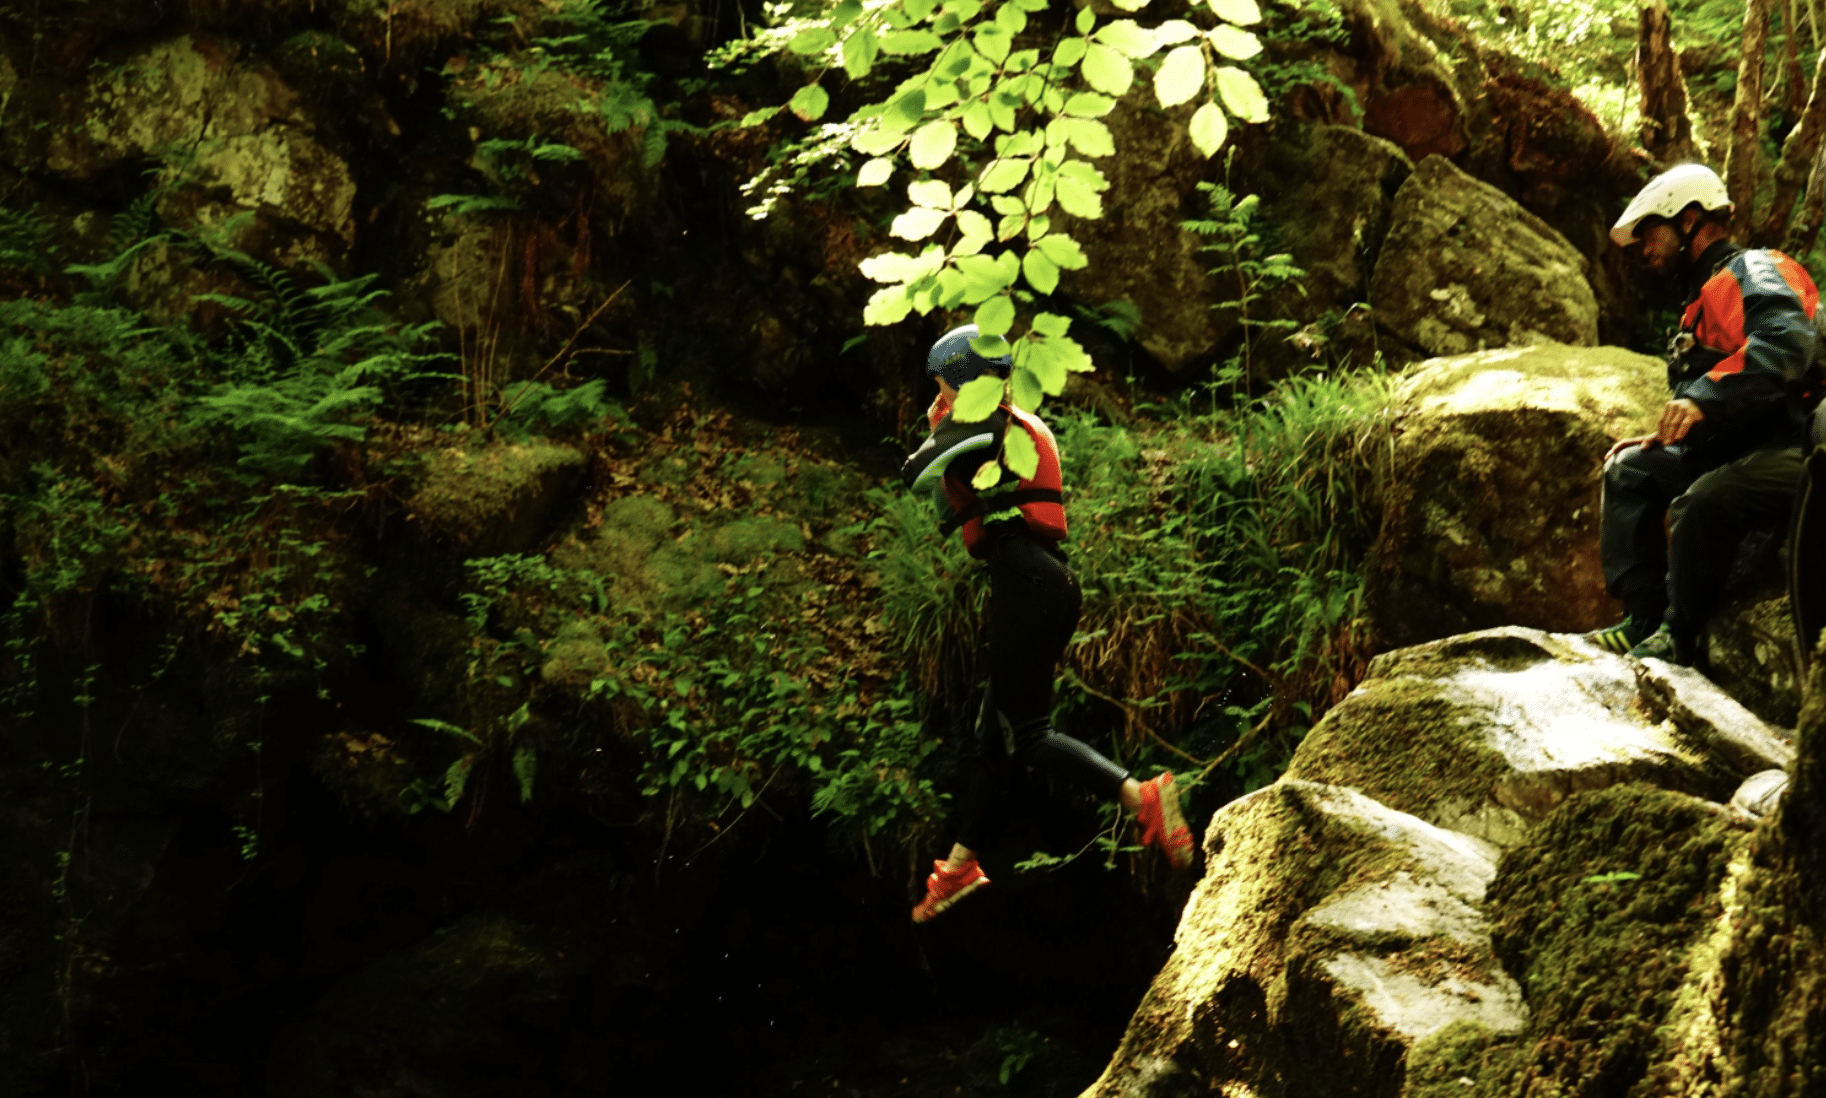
(562, 351)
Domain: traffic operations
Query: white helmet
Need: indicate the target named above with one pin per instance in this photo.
(1669, 193)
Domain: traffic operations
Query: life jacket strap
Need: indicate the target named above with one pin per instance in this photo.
(1018, 498)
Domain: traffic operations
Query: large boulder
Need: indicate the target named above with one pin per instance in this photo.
(1497, 728)
(1473, 875)
(1466, 268)
(1490, 514)
(236, 144)
(1330, 933)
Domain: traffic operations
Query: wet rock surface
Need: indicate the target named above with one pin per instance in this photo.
(1491, 515)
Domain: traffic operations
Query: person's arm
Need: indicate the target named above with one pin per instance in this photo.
(954, 447)
(1763, 314)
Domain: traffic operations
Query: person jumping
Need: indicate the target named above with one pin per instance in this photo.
(1016, 527)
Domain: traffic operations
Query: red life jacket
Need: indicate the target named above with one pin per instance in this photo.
(1040, 498)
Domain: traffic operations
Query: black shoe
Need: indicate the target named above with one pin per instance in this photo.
(1662, 644)
(1624, 635)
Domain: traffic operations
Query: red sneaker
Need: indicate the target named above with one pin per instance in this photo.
(946, 887)
(1161, 823)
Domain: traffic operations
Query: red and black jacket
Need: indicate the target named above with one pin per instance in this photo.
(1746, 339)
(955, 451)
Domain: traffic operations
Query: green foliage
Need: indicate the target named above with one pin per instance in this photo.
(305, 366)
(530, 405)
(1023, 127)
(26, 242)
(1236, 244)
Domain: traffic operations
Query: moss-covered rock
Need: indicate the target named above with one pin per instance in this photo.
(1329, 934)
(1610, 917)
(494, 498)
(1491, 505)
(1465, 268)
(1486, 733)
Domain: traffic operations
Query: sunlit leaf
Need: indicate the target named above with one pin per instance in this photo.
(965, 10)
(810, 103)
(1086, 20)
(1051, 324)
(933, 144)
(755, 118)
(1069, 52)
(859, 52)
(1244, 12)
(889, 305)
(812, 40)
(1090, 137)
(918, 223)
(894, 267)
(1107, 70)
(1027, 391)
(1011, 225)
(1003, 175)
(976, 399)
(935, 193)
(949, 292)
(1011, 19)
(987, 475)
(1242, 95)
(1047, 363)
(1064, 252)
(1131, 5)
(1002, 112)
(1042, 274)
(909, 43)
(983, 278)
(846, 13)
(1239, 45)
(876, 142)
(1038, 227)
(875, 172)
(904, 112)
(1089, 105)
(1129, 37)
(995, 316)
(1174, 31)
(993, 42)
(1208, 128)
(1018, 451)
(974, 232)
(977, 122)
(1180, 76)
(1007, 205)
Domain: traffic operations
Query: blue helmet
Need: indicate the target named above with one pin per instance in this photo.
(952, 359)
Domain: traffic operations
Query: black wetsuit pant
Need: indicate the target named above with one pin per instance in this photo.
(1033, 609)
(1679, 575)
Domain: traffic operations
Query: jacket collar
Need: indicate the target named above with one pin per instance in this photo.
(1708, 264)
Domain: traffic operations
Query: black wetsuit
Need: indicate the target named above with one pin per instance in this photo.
(1034, 602)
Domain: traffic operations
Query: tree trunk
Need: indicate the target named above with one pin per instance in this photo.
(1747, 119)
(1806, 228)
(1798, 155)
(1796, 80)
(1667, 132)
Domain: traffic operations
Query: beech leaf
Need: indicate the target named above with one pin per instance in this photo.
(1107, 70)
(1018, 451)
(1042, 274)
(1181, 75)
(918, 223)
(1242, 95)
(810, 103)
(933, 144)
(976, 399)
(930, 192)
(995, 316)
(1244, 12)
(1209, 129)
(1236, 44)
(875, 172)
